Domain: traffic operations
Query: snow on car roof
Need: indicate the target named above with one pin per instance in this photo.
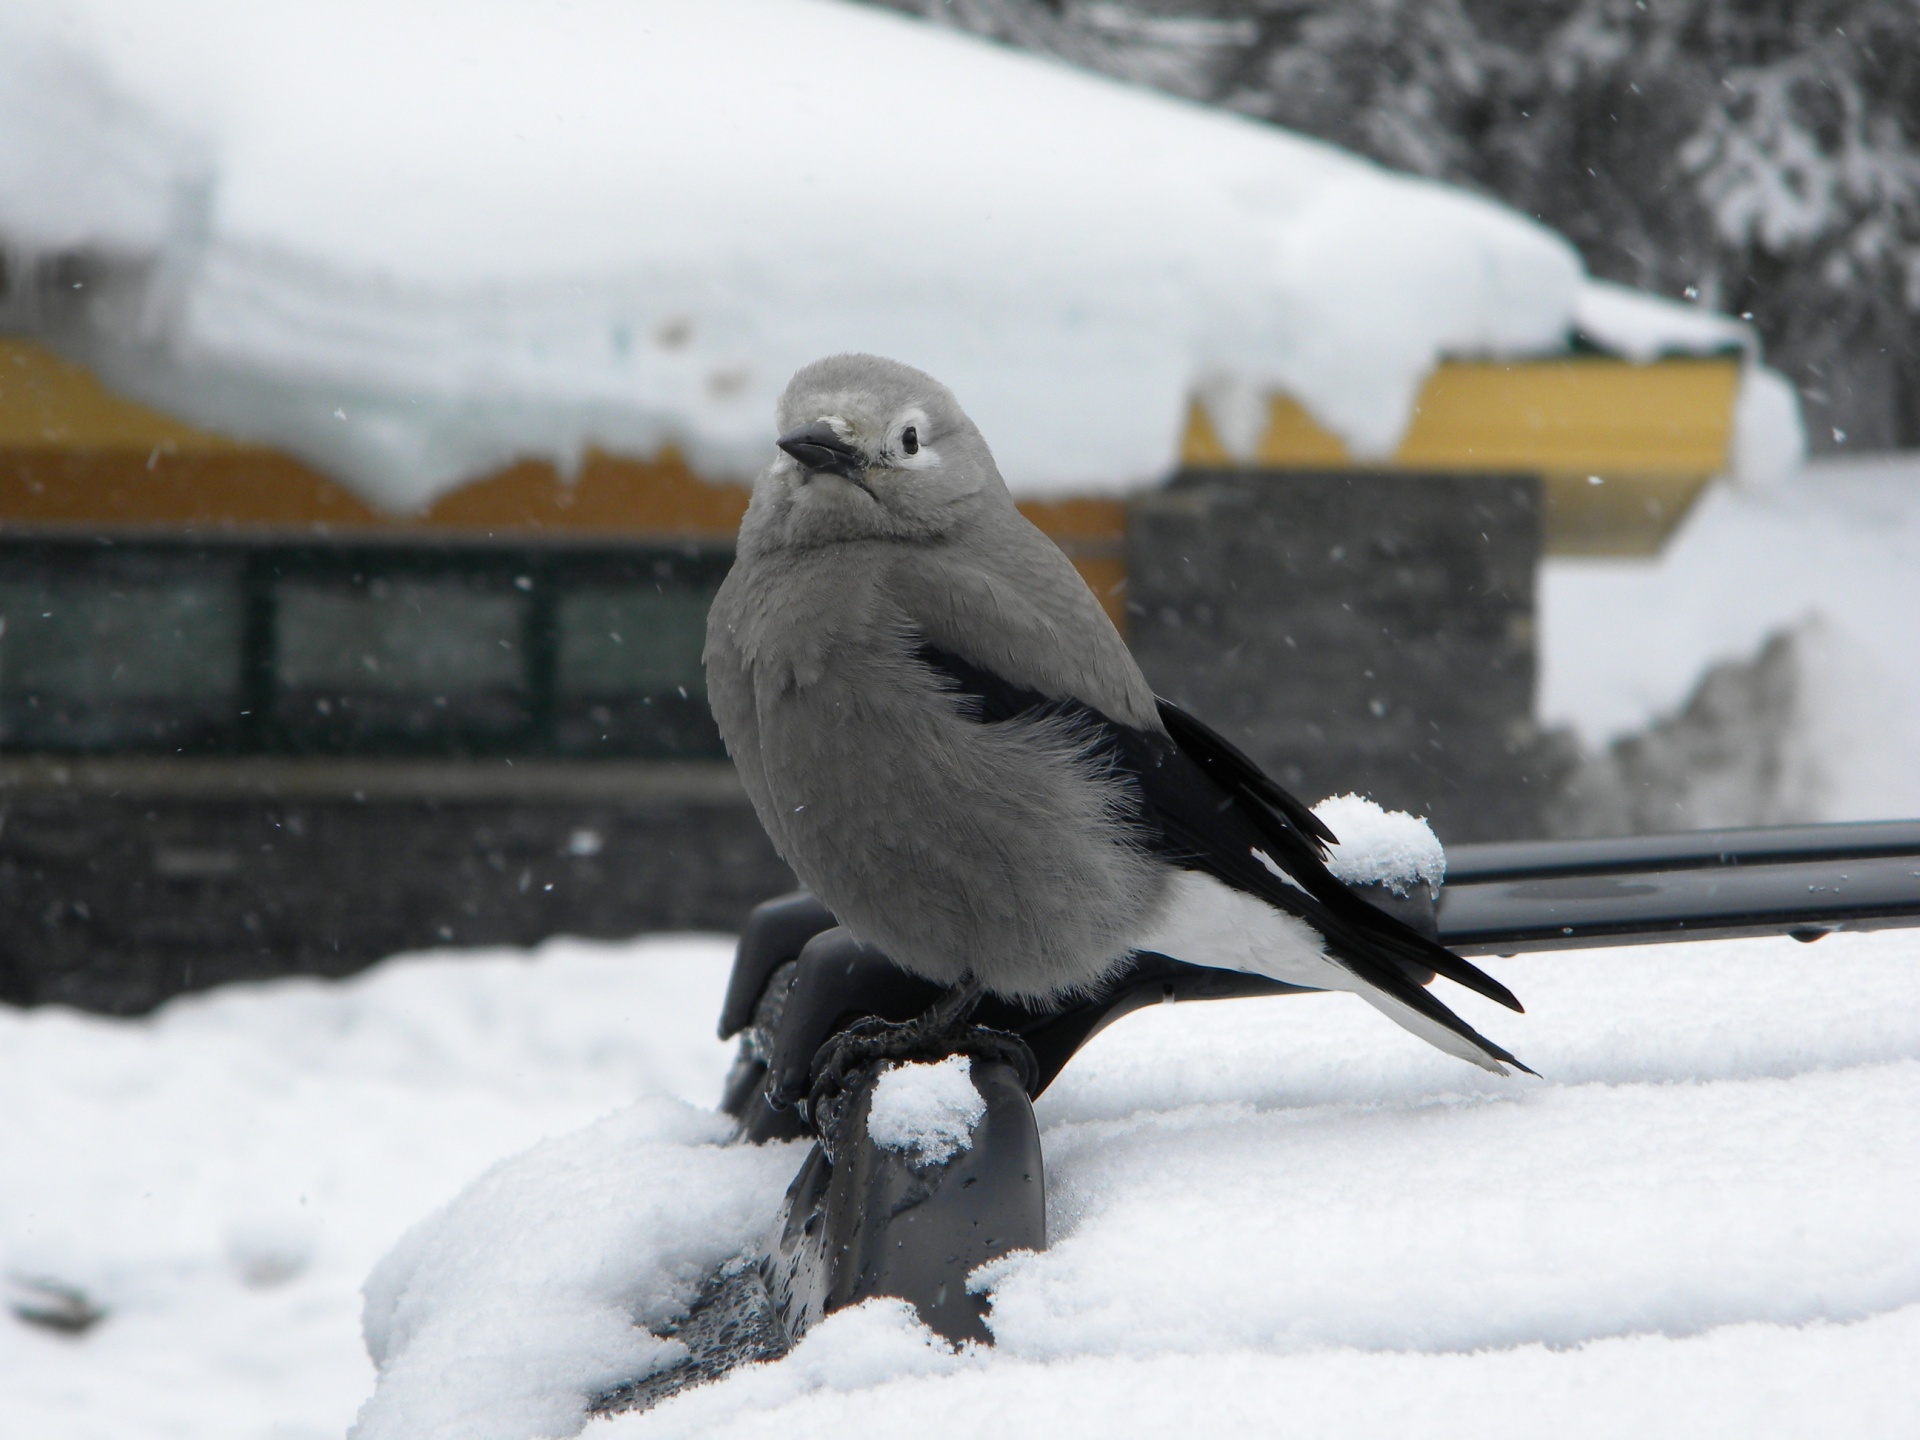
(411, 242)
(1267, 1216)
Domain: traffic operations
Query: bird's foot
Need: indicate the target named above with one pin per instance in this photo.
(941, 1031)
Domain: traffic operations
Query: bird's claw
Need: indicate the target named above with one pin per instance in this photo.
(840, 1065)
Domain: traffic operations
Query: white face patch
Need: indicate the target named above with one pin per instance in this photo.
(894, 452)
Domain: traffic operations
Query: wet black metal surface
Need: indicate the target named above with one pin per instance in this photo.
(879, 1224)
(1772, 844)
(773, 936)
(1805, 880)
(731, 1323)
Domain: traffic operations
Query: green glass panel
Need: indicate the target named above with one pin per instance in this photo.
(628, 641)
(105, 655)
(414, 662)
(398, 635)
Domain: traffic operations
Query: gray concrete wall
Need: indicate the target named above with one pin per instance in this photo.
(1351, 631)
(123, 882)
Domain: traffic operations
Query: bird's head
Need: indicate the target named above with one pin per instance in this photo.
(871, 449)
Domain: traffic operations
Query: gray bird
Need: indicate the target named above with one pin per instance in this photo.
(948, 741)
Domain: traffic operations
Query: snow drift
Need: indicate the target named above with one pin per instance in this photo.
(1765, 669)
(1280, 1216)
(413, 241)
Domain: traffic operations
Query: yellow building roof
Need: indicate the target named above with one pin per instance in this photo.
(74, 454)
(1623, 450)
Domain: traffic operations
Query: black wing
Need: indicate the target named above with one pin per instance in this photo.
(1206, 806)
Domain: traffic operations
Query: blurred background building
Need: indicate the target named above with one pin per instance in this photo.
(1760, 159)
(375, 419)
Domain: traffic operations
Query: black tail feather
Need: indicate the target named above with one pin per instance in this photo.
(1407, 945)
(1392, 982)
(1285, 825)
(1233, 771)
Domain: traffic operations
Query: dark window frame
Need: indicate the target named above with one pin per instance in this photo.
(541, 572)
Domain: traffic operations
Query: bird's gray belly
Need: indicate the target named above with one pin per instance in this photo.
(952, 845)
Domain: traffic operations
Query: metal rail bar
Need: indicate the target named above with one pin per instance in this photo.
(1803, 880)
(1515, 858)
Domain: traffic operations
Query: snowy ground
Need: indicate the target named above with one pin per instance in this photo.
(1623, 641)
(1272, 1217)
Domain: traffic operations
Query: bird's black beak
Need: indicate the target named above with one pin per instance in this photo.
(817, 447)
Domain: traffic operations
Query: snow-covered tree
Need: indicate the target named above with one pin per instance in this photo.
(1760, 156)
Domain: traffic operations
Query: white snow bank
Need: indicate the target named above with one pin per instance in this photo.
(168, 1166)
(926, 1112)
(411, 241)
(1382, 847)
(1835, 554)
(1746, 1380)
(501, 1317)
(1275, 1216)
(1284, 1217)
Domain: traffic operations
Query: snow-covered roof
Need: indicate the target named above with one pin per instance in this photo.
(412, 241)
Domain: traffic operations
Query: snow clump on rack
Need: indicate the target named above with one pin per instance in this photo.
(926, 1112)
(1382, 847)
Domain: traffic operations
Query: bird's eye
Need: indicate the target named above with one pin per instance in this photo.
(910, 440)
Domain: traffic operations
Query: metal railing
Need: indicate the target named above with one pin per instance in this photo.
(1801, 880)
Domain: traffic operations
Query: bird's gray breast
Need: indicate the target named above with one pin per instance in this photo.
(1005, 849)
